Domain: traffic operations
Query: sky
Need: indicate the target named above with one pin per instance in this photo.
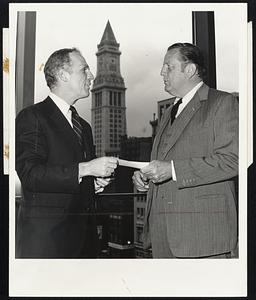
(144, 32)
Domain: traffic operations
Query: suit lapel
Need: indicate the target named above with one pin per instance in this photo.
(62, 125)
(184, 118)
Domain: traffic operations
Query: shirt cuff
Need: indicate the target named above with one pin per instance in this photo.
(97, 187)
(174, 178)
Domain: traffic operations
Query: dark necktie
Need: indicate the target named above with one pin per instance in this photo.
(77, 127)
(175, 110)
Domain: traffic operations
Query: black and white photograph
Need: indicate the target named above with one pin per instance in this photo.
(129, 149)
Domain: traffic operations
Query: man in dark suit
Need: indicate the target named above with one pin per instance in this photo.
(56, 164)
(191, 201)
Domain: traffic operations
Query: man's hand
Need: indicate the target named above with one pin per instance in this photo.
(140, 181)
(98, 167)
(100, 183)
(158, 171)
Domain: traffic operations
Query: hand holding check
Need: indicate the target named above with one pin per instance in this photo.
(132, 164)
(156, 171)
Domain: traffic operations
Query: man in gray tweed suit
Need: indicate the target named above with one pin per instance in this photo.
(191, 201)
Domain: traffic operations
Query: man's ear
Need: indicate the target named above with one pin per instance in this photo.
(190, 70)
(63, 75)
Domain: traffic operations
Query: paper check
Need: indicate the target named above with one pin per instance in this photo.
(132, 164)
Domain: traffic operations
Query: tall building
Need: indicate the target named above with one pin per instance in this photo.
(109, 124)
(108, 97)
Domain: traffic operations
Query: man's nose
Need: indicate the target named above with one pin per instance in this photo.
(163, 72)
(91, 75)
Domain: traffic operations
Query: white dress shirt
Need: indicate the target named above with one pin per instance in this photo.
(63, 106)
(185, 101)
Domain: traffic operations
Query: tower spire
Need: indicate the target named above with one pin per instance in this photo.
(108, 35)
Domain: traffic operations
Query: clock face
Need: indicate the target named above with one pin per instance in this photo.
(112, 59)
(112, 63)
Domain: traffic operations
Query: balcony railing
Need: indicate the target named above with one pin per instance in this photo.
(116, 220)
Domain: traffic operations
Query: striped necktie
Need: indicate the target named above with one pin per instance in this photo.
(77, 127)
(175, 110)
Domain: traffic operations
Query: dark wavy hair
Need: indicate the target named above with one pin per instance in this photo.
(59, 59)
(189, 53)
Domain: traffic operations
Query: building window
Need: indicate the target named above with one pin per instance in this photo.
(119, 99)
(115, 100)
(110, 97)
(98, 99)
(161, 110)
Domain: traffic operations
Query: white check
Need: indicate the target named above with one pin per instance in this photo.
(132, 164)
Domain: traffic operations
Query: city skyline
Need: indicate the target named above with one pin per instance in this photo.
(143, 43)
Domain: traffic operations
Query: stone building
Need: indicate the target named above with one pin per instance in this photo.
(108, 97)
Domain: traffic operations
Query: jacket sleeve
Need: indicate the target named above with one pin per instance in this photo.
(35, 172)
(222, 163)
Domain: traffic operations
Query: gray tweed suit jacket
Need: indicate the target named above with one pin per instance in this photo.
(200, 207)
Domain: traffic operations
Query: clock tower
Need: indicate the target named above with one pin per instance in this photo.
(108, 97)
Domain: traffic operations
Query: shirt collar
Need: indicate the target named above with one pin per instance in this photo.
(190, 94)
(62, 104)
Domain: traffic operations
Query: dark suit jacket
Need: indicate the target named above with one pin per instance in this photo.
(200, 206)
(54, 216)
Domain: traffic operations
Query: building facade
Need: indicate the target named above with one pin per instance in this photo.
(139, 219)
(162, 105)
(108, 97)
(135, 148)
(138, 149)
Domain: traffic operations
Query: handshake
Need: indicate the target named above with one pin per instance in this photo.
(102, 168)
